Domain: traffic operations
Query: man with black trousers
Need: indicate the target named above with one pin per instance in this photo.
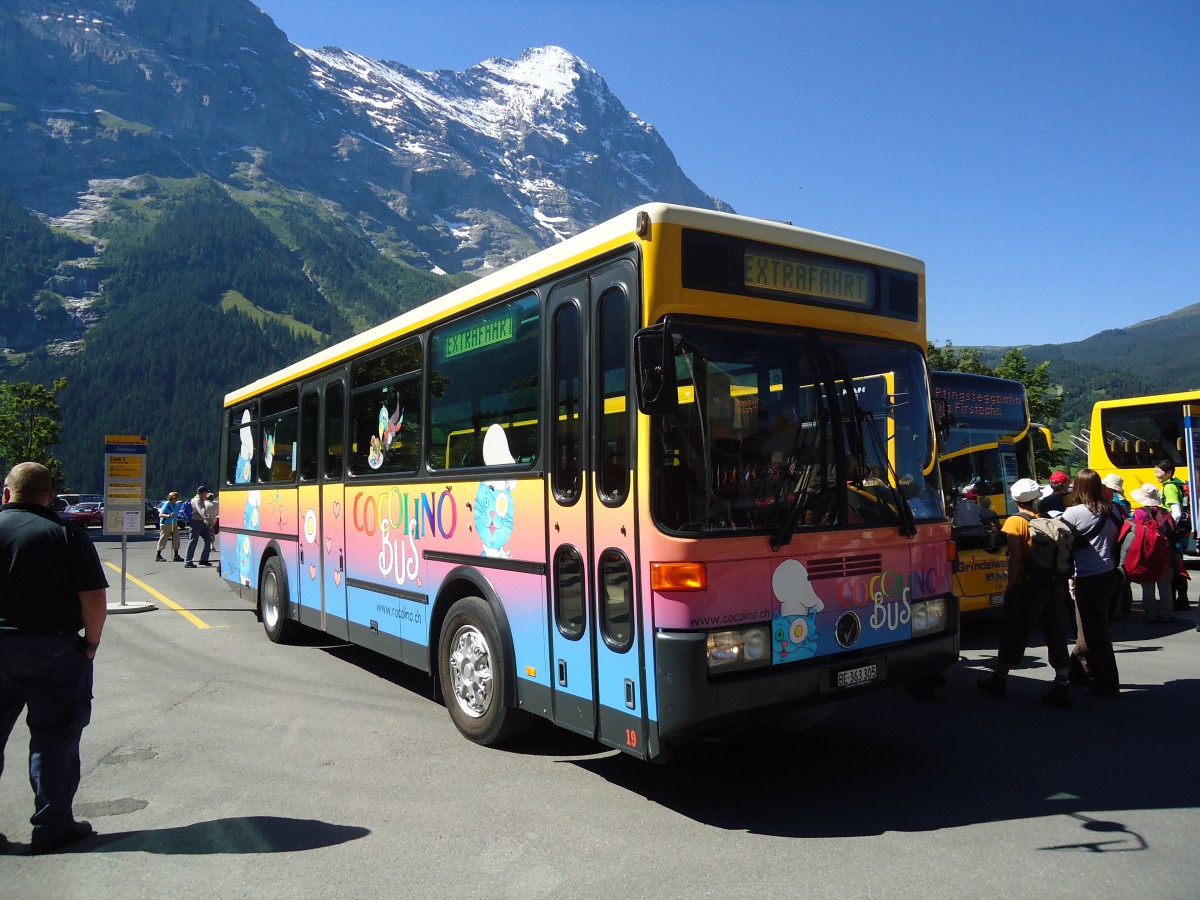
(52, 587)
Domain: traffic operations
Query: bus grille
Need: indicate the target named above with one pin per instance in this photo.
(844, 566)
(902, 295)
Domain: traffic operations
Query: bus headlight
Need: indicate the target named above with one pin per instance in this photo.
(929, 616)
(739, 648)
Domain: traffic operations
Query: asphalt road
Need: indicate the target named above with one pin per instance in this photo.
(220, 765)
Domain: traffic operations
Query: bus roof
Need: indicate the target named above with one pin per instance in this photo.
(618, 231)
(1176, 397)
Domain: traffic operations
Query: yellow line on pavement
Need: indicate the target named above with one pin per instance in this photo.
(198, 622)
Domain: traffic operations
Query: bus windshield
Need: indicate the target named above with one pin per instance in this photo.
(782, 430)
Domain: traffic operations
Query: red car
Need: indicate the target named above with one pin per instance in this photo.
(84, 514)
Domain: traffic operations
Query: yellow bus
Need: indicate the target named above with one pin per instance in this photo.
(1132, 436)
(986, 442)
(675, 473)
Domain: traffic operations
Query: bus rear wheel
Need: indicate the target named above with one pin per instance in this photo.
(272, 604)
(473, 669)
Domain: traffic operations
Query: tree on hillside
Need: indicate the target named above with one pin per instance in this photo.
(29, 425)
(1045, 401)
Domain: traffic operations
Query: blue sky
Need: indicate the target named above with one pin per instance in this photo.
(1043, 158)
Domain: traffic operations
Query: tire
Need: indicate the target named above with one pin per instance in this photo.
(273, 604)
(473, 669)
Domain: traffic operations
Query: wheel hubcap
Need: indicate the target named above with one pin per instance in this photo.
(270, 601)
(471, 671)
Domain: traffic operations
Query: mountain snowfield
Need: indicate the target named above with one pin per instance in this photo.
(536, 126)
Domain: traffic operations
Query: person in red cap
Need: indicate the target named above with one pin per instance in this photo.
(1054, 502)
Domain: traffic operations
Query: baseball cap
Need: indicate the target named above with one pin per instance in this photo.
(201, 490)
(1060, 478)
(969, 492)
(1025, 490)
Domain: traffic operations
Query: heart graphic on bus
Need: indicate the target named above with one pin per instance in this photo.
(312, 572)
(328, 545)
(337, 577)
(337, 509)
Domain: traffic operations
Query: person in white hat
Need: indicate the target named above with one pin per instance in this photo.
(1158, 599)
(1029, 601)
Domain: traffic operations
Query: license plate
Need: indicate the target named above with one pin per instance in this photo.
(860, 675)
(996, 600)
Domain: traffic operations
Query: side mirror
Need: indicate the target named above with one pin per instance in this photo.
(654, 360)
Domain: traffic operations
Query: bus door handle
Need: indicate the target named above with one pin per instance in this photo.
(630, 694)
(562, 673)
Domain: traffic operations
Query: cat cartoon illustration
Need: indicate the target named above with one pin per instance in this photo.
(794, 628)
(251, 519)
(241, 471)
(793, 637)
(493, 508)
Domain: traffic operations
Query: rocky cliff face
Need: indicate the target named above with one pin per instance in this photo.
(450, 171)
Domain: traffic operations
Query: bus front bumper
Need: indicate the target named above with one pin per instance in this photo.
(692, 703)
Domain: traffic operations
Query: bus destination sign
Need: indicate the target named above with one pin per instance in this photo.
(828, 279)
(483, 334)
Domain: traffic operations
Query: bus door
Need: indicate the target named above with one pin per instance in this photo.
(596, 648)
(1007, 452)
(322, 505)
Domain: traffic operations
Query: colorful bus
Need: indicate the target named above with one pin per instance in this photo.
(673, 474)
(986, 442)
(1131, 436)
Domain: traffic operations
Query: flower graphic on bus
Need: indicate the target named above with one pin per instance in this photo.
(794, 628)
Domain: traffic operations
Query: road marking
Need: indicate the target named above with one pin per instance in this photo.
(195, 620)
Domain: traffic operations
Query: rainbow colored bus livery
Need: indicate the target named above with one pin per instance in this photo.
(618, 485)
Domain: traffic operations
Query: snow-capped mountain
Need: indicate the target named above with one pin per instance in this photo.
(449, 171)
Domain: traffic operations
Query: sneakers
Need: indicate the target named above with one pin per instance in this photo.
(73, 833)
(1058, 695)
(206, 565)
(993, 686)
(177, 558)
(158, 557)
(189, 565)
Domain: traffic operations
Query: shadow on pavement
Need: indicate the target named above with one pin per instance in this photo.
(886, 762)
(242, 834)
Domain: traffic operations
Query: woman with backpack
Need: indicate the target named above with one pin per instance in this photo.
(1158, 598)
(1097, 582)
(1036, 595)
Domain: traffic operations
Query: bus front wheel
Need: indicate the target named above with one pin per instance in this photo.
(272, 604)
(473, 670)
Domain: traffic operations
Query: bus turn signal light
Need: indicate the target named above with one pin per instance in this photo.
(679, 576)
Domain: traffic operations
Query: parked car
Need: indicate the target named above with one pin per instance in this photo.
(152, 519)
(84, 514)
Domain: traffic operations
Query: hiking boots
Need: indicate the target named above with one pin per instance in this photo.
(1059, 695)
(993, 686)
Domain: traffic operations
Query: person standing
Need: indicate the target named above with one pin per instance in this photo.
(1029, 602)
(1116, 485)
(1054, 496)
(1157, 597)
(1097, 581)
(52, 586)
(168, 526)
(1173, 501)
(201, 525)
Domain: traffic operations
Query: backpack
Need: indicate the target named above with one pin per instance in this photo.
(1050, 560)
(1148, 556)
(185, 514)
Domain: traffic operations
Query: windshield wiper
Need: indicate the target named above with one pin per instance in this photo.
(908, 522)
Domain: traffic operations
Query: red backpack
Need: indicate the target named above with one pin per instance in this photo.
(1148, 556)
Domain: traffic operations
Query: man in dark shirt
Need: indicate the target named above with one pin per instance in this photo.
(51, 587)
